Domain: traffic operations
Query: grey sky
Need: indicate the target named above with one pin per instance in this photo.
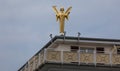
(25, 25)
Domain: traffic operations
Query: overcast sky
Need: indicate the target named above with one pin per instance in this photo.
(25, 25)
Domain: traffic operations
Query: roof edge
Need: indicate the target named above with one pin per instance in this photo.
(71, 38)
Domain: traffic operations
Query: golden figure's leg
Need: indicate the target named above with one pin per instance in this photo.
(62, 28)
(62, 19)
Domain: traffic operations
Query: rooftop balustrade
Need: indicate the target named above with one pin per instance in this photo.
(71, 57)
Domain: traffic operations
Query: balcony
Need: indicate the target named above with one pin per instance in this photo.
(72, 57)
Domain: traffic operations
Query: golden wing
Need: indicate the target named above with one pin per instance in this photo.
(55, 10)
(57, 13)
(68, 11)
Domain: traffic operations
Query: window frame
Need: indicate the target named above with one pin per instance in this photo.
(100, 50)
(118, 50)
(74, 48)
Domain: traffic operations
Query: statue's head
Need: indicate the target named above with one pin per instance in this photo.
(61, 9)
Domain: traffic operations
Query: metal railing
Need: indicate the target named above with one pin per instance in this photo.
(78, 57)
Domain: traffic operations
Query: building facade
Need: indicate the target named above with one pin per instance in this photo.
(66, 53)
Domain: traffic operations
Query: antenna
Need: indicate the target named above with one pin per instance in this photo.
(51, 37)
(79, 36)
(64, 35)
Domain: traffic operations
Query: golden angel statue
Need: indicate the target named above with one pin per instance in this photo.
(61, 16)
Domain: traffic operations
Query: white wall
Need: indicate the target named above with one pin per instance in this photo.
(63, 47)
(66, 47)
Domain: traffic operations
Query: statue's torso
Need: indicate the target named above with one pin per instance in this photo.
(62, 17)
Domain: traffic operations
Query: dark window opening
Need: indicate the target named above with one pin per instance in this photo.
(100, 50)
(118, 50)
(74, 48)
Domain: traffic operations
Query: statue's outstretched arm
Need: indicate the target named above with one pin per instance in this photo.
(68, 11)
(55, 10)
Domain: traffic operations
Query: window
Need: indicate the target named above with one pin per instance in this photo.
(118, 50)
(74, 48)
(100, 50)
(83, 50)
(86, 50)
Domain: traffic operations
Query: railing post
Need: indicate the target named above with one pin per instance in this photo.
(28, 65)
(110, 58)
(94, 57)
(34, 62)
(62, 56)
(79, 57)
(25, 68)
(38, 59)
(45, 55)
